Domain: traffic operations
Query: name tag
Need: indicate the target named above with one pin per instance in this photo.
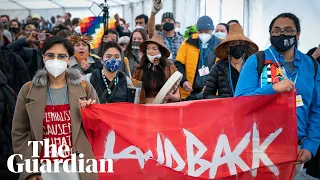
(299, 101)
(204, 71)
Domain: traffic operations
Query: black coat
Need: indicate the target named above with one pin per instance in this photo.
(218, 81)
(119, 93)
(7, 105)
(14, 69)
(31, 56)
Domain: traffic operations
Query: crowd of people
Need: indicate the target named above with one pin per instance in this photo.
(46, 67)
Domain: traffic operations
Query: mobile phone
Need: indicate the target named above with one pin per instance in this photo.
(43, 36)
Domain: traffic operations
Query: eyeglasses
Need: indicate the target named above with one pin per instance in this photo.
(59, 56)
(286, 32)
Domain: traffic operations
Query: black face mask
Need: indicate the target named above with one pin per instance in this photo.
(168, 26)
(14, 30)
(237, 51)
(6, 25)
(283, 43)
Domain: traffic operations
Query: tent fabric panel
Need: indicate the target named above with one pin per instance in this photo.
(74, 3)
(39, 4)
(9, 5)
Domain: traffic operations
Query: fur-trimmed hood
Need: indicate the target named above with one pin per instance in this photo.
(40, 79)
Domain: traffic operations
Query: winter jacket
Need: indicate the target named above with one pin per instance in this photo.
(218, 82)
(187, 60)
(93, 60)
(31, 56)
(14, 69)
(7, 105)
(27, 122)
(119, 92)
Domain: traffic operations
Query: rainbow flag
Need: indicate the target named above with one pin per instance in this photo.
(94, 26)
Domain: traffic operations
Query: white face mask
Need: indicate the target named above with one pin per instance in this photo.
(139, 27)
(77, 29)
(204, 37)
(56, 67)
(153, 58)
(220, 35)
(177, 29)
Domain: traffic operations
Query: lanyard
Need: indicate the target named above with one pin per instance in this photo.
(65, 96)
(204, 56)
(230, 77)
(170, 44)
(109, 86)
(283, 70)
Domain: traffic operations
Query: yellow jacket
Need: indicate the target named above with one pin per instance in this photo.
(188, 56)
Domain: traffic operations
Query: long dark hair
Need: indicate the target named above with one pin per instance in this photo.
(291, 16)
(128, 51)
(148, 73)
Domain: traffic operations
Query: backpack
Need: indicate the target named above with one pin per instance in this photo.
(261, 58)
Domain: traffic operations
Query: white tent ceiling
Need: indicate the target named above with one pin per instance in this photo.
(254, 15)
(52, 4)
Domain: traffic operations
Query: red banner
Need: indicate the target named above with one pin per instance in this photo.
(236, 138)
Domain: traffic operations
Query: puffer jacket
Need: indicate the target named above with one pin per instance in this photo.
(7, 105)
(218, 82)
(187, 60)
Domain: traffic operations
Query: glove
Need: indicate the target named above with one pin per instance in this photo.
(157, 6)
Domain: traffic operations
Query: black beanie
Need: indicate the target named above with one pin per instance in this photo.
(168, 15)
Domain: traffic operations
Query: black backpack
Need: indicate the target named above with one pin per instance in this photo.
(261, 58)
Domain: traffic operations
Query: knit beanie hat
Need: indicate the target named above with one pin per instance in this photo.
(167, 15)
(205, 23)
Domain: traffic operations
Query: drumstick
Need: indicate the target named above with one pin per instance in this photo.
(126, 62)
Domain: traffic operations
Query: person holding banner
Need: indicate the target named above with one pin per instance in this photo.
(50, 101)
(109, 83)
(285, 69)
(82, 60)
(154, 70)
(233, 52)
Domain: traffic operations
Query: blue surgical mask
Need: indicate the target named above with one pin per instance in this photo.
(112, 64)
(220, 35)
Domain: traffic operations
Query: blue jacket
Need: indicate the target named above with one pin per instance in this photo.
(308, 87)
